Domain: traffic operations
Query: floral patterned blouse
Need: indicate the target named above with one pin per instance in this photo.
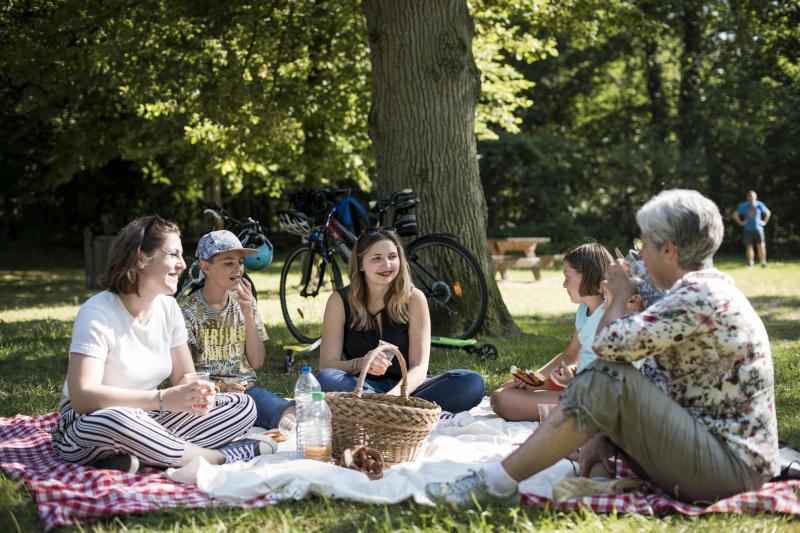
(713, 351)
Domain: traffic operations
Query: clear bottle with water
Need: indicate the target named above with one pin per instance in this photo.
(317, 436)
(304, 387)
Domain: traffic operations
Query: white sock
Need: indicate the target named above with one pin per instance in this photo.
(498, 480)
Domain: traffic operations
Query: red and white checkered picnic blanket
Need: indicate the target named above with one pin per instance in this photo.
(67, 493)
(774, 497)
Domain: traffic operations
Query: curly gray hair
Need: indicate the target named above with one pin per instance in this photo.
(688, 219)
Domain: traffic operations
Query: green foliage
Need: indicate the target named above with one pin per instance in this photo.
(191, 98)
(648, 95)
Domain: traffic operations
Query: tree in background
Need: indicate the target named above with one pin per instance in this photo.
(194, 98)
(645, 95)
(425, 91)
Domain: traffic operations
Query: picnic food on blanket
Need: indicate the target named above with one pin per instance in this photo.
(364, 459)
(277, 435)
(531, 377)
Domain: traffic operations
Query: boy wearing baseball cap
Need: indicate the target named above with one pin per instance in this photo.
(226, 334)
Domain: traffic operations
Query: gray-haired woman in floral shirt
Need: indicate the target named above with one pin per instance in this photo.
(712, 433)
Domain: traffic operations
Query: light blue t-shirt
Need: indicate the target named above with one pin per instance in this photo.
(587, 326)
(752, 215)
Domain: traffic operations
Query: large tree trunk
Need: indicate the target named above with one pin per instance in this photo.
(658, 113)
(690, 117)
(315, 142)
(425, 88)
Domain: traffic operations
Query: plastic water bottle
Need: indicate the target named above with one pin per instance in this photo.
(305, 386)
(318, 429)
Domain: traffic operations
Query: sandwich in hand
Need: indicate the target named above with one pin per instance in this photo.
(531, 377)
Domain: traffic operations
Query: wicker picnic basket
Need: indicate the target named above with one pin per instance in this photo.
(395, 425)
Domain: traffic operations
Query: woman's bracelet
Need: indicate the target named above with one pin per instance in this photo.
(160, 405)
(354, 366)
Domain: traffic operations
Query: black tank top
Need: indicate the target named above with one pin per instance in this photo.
(358, 342)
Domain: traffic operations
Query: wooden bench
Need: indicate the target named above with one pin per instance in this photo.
(502, 260)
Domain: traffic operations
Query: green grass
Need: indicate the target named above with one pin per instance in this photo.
(36, 312)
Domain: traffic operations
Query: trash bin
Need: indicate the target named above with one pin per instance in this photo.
(96, 251)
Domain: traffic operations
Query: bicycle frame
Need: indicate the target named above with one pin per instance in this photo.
(318, 244)
(336, 234)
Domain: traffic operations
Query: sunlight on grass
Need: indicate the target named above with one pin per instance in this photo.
(37, 308)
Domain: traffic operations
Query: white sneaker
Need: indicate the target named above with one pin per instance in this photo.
(471, 490)
(455, 420)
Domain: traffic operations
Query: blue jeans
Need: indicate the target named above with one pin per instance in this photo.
(269, 407)
(455, 390)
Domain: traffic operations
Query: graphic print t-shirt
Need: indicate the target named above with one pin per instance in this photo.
(217, 339)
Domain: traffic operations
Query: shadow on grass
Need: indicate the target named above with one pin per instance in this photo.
(772, 310)
(33, 365)
(39, 288)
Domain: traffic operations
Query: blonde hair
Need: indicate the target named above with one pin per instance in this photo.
(397, 297)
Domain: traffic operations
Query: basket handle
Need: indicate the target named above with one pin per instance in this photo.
(403, 383)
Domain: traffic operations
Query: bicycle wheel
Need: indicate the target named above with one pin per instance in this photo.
(453, 283)
(307, 281)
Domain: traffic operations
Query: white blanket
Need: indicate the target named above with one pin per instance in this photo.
(447, 454)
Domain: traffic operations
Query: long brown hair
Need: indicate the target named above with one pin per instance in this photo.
(144, 234)
(396, 298)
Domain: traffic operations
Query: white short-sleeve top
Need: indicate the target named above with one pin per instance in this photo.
(136, 356)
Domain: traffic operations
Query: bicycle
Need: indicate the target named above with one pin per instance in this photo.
(250, 233)
(448, 275)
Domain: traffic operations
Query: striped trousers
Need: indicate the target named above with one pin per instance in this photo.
(86, 438)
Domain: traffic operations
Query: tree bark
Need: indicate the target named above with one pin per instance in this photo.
(425, 88)
(658, 111)
(690, 116)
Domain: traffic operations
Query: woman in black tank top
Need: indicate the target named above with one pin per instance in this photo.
(381, 303)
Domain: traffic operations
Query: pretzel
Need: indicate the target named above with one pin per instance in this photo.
(531, 377)
(277, 435)
(364, 459)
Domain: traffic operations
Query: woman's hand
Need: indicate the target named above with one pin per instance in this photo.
(617, 283)
(598, 450)
(380, 364)
(243, 294)
(562, 374)
(196, 398)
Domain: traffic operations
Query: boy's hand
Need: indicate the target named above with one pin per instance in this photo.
(243, 294)
(236, 387)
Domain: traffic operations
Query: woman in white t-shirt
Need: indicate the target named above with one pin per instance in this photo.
(126, 340)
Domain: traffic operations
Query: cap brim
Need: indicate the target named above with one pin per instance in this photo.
(244, 252)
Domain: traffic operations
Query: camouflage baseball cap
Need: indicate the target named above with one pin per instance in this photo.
(220, 241)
